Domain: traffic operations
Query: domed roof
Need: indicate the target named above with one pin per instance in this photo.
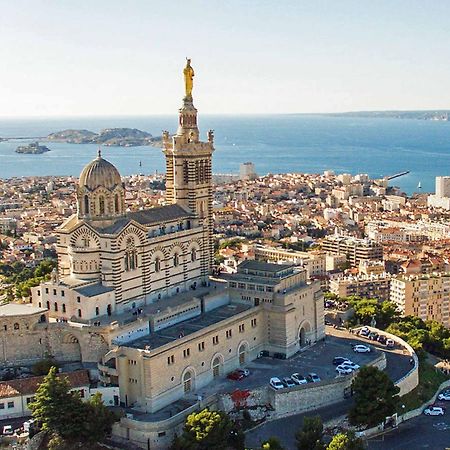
(99, 172)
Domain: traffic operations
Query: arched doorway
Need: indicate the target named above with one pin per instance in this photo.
(187, 382)
(242, 352)
(69, 348)
(303, 334)
(216, 367)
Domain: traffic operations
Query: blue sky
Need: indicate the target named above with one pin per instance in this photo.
(117, 57)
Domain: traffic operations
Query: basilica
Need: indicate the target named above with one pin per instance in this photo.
(134, 295)
(111, 261)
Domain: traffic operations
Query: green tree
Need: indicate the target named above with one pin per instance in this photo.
(365, 309)
(346, 441)
(311, 434)
(209, 430)
(272, 444)
(375, 397)
(56, 442)
(56, 409)
(98, 419)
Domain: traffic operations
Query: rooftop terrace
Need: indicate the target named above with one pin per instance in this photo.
(190, 326)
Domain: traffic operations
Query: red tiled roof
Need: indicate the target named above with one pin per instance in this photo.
(27, 386)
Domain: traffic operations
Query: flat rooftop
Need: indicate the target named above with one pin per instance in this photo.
(170, 334)
(15, 309)
(262, 266)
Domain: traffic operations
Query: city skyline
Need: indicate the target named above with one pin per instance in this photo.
(70, 59)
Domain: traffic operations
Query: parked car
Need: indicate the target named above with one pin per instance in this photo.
(382, 339)
(244, 372)
(276, 383)
(360, 348)
(337, 360)
(390, 343)
(350, 364)
(8, 430)
(434, 411)
(373, 336)
(313, 378)
(327, 322)
(298, 379)
(364, 331)
(343, 370)
(236, 375)
(445, 395)
(288, 382)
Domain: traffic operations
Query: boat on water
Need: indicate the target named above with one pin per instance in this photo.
(419, 186)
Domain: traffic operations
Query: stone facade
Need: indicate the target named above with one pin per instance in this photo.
(267, 308)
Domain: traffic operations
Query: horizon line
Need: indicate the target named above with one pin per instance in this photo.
(359, 111)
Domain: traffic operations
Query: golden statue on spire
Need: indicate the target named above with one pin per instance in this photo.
(188, 78)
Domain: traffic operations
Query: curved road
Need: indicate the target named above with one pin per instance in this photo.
(398, 364)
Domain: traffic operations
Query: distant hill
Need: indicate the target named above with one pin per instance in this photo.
(121, 137)
(439, 115)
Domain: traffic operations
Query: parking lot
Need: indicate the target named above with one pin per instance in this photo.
(317, 359)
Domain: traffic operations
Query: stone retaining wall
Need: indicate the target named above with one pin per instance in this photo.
(310, 397)
(409, 381)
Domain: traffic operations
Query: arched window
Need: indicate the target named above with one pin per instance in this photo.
(187, 382)
(131, 261)
(193, 255)
(116, 204)
(63, 307)
(216, 367)
(16, 326)
(56, 306)
(79, 313)
(242, 351)
(176, 260)
(86, 204)
(157, 265)
(101, 205)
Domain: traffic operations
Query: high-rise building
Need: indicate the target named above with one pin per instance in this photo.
(247, 171)
(424, 296)
(441, 199)
(356, 249)
(442, 187)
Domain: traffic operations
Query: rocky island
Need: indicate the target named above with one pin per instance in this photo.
(121, 137)
(32, 149)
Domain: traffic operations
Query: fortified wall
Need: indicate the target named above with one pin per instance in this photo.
(26, 337)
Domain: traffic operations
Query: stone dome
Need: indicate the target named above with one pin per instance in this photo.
(100, 192)
(99, 173)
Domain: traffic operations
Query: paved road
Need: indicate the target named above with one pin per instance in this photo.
(285, 428)
(423, 432)
(398, 364)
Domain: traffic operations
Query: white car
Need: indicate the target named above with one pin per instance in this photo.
(244, 372)
(350, 365)
(342, 370)
(444, 396)
(434, 411)
(276, 383)
(364, 331)
(299, 379)
(360, 348)
(7, 430)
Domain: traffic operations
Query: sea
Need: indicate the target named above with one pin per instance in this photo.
(274, 143)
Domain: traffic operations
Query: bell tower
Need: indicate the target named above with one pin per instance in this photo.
(188, 166)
